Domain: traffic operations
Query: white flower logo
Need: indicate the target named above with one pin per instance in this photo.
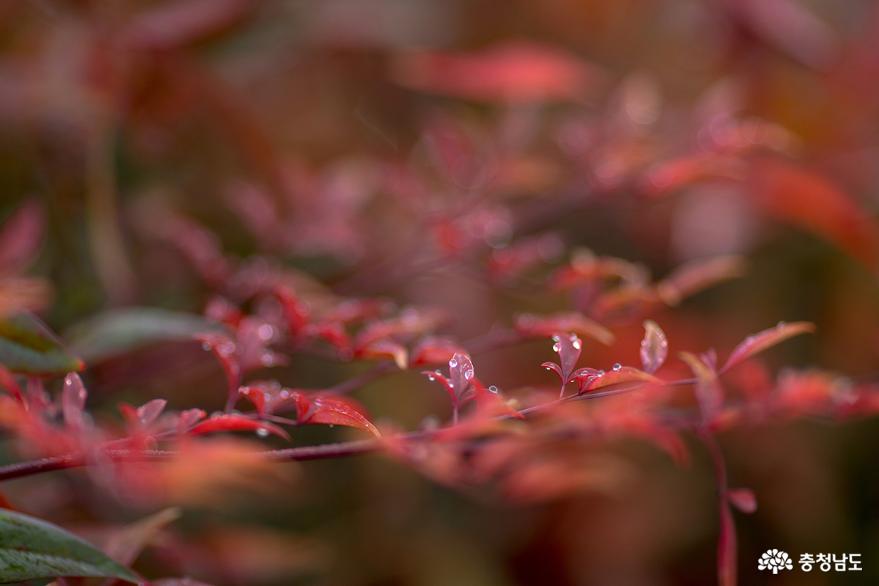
(774, 560)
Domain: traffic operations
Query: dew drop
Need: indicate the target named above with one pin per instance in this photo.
(262, 432)
(556, 346)
(617, 366)
(492, 389)
(577, 343)
(453, 363)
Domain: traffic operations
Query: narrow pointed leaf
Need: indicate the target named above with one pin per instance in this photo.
(336, 411)
(766, 339)
(125, 330)
(26, 346)
(126, 544)
(743, 499)
(654, 347)
(234, 422)
(32, 549)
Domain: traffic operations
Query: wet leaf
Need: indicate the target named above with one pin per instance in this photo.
(654, 347)
(767, 338)
(591, 380)
(337, 411)
(236, 422)
(73, 397)
(32, 549)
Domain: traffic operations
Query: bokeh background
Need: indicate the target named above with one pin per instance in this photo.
(112, 113)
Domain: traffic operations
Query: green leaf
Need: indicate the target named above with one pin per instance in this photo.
(27, 346)
(31, 549)
(121, 331)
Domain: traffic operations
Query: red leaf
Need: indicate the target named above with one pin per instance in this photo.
(805, 199)
(181, 23)
(188, 418)
(697, 275)
(568, 347)
(149, 412)
(743, 499)
(337, 411)
(676, 174)
(224, 349)
(654, 347)
(332, 332)
(510, 262)
(410, 322)
(766, 339)
(589, 379)
(386, 349)
(73, 397)
(20, 238)
(510, 72)
(234, 422)
(708, 390)
(295, 312)
(434, 350)
(548, 325)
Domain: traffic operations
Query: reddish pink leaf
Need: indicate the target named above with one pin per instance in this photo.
(235, 422)
(589, 379)
(586, 268)
(295, 312)
(654, 347)
(20, 238)
(789, 27)
(224, 349)
(434, 350)
(568, 347)
(576, 323)
(697, 275)
(760, 341)
(743, 499)
(73, 397)
(332, 332)
(445, 382)
(802, 198)
(149, 412)
(386, 349)
(338, 411)
(410, 322)
(512, 72)
(184, 22)
(676, 174)
(510, 262)
(709, 393)
(186, 419)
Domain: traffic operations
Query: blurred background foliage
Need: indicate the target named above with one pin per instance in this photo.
(108, 107)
